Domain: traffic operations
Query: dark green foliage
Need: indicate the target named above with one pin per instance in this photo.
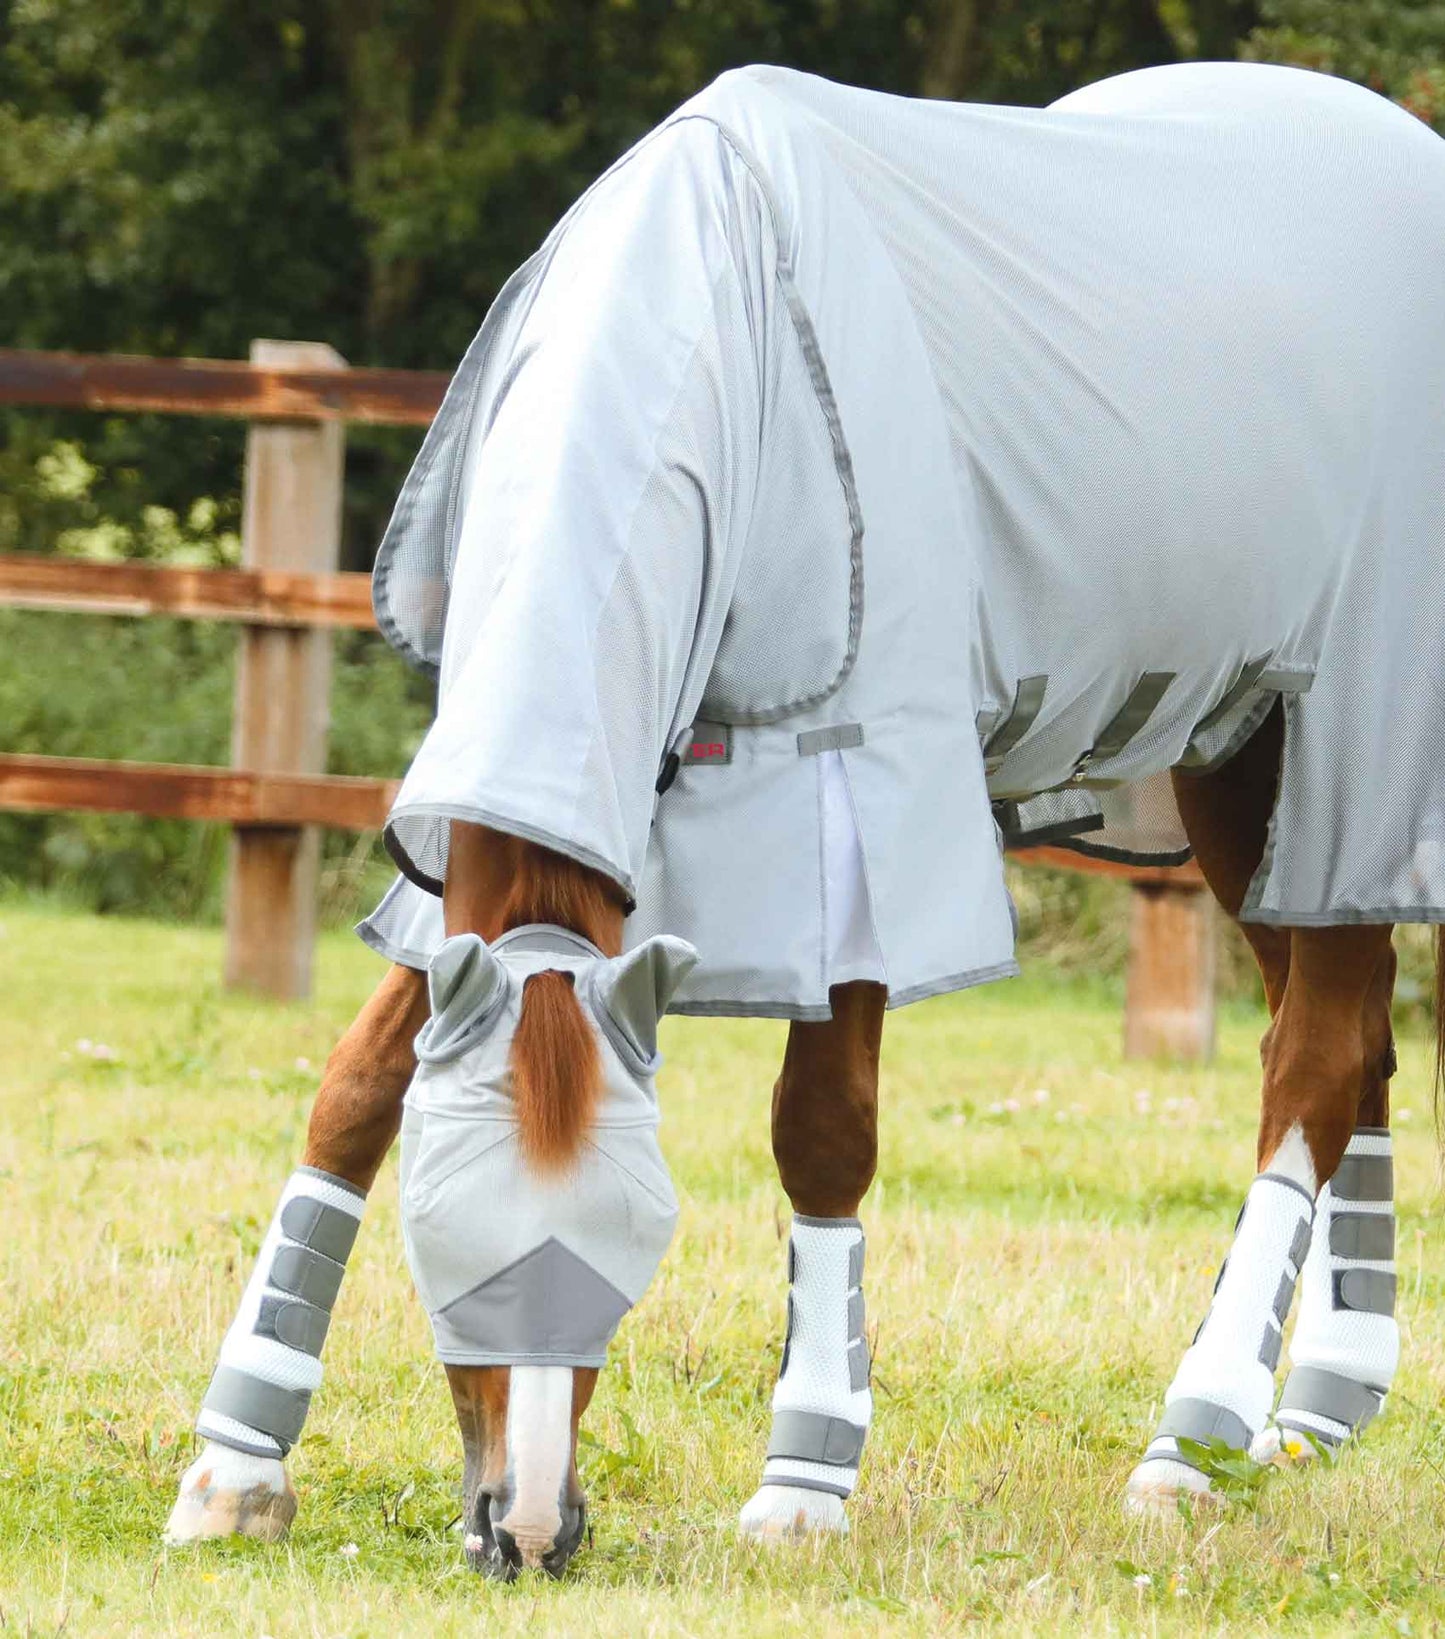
(1394, 46)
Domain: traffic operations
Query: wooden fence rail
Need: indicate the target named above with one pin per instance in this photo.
(289, 596)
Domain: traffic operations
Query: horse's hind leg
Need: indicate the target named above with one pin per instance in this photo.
(825, 1141)
(1326, 1051)
(1346, 1342)
(270, 1363)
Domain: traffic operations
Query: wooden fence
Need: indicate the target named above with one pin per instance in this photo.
(289, 596)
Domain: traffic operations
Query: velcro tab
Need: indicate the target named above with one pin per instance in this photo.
(325, 1229)
(306, 1275)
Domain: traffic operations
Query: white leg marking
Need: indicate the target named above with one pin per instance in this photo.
(789, 1513)
(1293, 1160)
(539, 1446)
(227, 1493)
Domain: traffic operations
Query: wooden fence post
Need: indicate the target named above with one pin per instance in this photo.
(291, 521)
(1169, 1000)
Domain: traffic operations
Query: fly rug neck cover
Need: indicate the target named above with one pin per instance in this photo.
(517, 1268)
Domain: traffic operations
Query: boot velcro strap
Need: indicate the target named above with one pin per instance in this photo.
(1320, 1393)
(1204, 1421)
(260, 1405)
(812, 1437)
(1368, 1291)
(1367, 1235)
(1364, 1178)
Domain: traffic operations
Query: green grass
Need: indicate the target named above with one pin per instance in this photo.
(1041, 1243)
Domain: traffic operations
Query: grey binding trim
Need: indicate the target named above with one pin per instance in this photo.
(353, 1189)
(1027, 703)
(855, 1262)
(259, 1405)
(1248, 678)
(1136, 711)
(844, 737)
(223, 1437)
(797, 1482)
(306, 1275)
(1364, 1178)
(827, 1223)
(1367, 1291)
(842, 458)
(1204, 1421)
(547, 936)
(1369, 1235)
(325, 1229)
(298, 1325)
(1288, 1183)
(1319, 1393)
(859, 1365)
(855, 1313)
(810, 1437)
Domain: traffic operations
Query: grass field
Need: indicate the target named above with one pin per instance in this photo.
(1043, 1236)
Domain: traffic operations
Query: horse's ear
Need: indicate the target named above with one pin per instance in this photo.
(636, 988)
(465, 982)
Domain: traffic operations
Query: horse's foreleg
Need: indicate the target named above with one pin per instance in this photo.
(825, 1141)
(270, 1363)
(1323, 1047)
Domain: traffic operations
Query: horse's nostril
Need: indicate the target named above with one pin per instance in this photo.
(489, 1551)
(569, 1539)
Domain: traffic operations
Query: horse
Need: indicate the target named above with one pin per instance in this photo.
(673, 768)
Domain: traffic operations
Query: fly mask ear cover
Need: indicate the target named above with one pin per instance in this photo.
(517, 1267)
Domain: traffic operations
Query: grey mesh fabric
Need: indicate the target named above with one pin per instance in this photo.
(1040, 450)
(516, 1268)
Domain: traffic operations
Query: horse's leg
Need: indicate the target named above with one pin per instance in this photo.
(270, 1359)
(1324, 989)
(825, 1141)
(1346, 1342)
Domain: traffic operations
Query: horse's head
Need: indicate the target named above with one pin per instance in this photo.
(536, 1206)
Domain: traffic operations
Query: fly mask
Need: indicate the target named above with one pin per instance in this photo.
(515, 1267)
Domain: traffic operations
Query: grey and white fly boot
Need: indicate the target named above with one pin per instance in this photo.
(1224, 1387)
(1346, 1342)
(269, 1367)
(822, 1404)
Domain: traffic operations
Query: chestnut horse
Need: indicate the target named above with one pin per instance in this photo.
(1327, 1057)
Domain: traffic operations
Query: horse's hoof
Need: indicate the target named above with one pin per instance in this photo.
(227, 1493)
(790, 1513)
(1159, 1484)
(1282, 1447)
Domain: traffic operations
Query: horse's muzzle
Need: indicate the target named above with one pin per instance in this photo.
(492, 1551)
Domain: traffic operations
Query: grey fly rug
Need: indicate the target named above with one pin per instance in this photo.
(865, 472)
